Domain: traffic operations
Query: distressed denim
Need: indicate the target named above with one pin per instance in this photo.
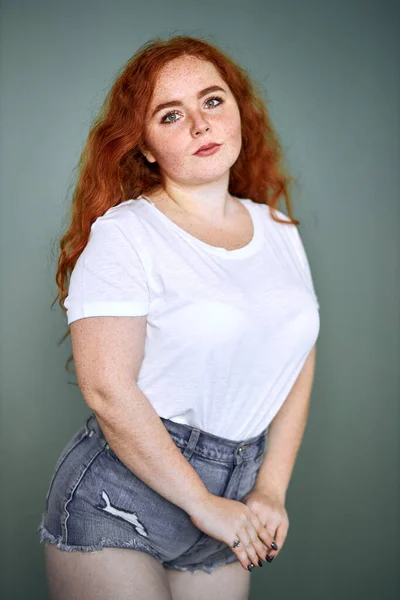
(95, 501)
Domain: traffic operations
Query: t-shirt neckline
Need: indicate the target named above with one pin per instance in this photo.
(250, 248)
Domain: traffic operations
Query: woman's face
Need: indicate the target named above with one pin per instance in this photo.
(173, 134)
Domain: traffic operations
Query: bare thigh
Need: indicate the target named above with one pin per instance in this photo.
(228, 581)
(110, 574)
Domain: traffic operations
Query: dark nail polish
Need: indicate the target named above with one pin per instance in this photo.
(250, 567)
(270, 558)
(274, 546)
(260, 563)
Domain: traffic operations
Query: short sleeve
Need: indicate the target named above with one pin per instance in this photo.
(301, 253)
(109, 278)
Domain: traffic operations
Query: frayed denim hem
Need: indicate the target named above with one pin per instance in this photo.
(46, 536)
(207, 568)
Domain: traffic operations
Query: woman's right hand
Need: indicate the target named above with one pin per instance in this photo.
(228, 520)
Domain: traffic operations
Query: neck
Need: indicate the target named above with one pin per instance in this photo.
(205, 205)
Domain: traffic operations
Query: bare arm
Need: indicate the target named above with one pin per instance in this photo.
(286, 433)
(108, 352)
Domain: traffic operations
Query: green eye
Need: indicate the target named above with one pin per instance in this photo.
(174, 112)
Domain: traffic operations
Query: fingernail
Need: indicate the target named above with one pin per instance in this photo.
(260, 563)
(250, 567)
(274, 546)
(269, 558)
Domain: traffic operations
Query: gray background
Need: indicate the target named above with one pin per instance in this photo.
(331, 73)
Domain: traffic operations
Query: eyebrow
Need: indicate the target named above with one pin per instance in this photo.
(211, 88)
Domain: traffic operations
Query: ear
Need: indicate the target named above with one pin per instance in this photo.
(147, 154)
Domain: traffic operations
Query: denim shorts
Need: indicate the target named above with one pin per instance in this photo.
(95, 501)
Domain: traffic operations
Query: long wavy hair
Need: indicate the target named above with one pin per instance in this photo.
(112, 168)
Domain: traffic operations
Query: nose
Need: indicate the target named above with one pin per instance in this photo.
(199, 130)
(200, 125)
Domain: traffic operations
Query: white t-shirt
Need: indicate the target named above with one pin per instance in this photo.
(228, 331)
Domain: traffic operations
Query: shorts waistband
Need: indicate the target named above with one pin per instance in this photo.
(192, 439)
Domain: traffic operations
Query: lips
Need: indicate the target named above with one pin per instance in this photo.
(207, 147)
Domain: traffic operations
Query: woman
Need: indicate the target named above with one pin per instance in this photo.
(198, 357)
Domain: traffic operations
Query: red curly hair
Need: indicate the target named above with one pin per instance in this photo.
(112, 169)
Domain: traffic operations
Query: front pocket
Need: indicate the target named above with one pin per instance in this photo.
(77, 438)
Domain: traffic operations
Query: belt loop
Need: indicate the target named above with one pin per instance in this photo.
(191, 445)
(89, 431)
(93, 426)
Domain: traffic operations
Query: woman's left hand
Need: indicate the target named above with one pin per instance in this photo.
(271, 511)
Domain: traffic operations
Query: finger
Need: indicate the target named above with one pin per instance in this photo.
(265, 533)
(255, 548)
(245, 551)
(259, 547)
(280, 537)
(243, 557)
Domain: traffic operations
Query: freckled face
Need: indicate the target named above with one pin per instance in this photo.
(173, 134)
